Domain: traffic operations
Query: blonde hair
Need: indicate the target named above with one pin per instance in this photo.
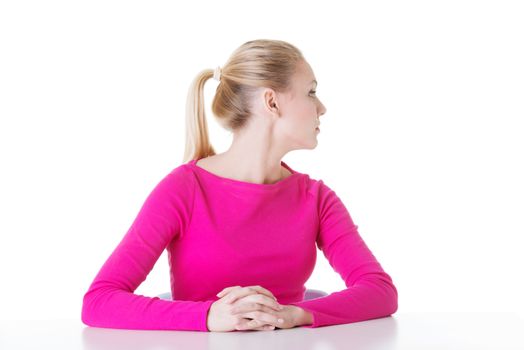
(255, 64)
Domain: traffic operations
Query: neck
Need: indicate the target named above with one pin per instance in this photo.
(255, 156)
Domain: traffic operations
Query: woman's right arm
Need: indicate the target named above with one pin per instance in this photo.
(110, 302)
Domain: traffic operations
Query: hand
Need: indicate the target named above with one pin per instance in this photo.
(251, 307)
(220, 317)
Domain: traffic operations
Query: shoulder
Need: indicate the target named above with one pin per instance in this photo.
(178, 181)
(182, 171)
(316, 187)
(325, 196)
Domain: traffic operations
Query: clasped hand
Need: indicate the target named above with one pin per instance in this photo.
(249, 308)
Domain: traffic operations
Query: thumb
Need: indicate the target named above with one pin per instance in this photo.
(225, 291)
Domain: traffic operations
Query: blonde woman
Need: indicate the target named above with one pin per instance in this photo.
(242, 227)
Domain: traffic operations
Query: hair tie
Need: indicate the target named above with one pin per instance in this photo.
(217, 73)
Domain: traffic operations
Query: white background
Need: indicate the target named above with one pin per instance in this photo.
(422, 138)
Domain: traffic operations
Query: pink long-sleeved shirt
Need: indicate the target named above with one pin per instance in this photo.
(222, 232)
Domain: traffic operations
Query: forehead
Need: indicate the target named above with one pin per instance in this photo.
(304, 74)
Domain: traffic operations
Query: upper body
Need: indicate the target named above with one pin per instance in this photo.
(243, 217)
(220, 232)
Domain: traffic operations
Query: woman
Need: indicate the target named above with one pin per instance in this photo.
(243, 223)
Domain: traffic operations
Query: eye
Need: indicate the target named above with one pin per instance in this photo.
(313, 92)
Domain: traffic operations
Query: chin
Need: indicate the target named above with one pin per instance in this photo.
(313, 145)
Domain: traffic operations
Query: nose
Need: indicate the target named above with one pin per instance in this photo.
(321, 108)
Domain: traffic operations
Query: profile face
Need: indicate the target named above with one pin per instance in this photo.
(301, 109)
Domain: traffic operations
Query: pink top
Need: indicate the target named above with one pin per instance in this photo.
(222, 232)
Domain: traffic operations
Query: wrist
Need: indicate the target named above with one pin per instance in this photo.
(301, 317)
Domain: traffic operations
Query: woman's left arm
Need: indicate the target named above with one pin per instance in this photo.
(370, 291)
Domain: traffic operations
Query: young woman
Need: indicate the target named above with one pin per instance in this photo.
(242, 227)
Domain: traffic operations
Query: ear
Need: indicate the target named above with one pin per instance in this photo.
(270, 101)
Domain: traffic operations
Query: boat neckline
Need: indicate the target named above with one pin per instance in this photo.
(279, 183)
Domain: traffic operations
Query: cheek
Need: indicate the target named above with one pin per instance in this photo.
(299, 108)
(302, 113)
(298, 123)
(297, 129)
(298, 118)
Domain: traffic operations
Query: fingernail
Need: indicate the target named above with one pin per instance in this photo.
(280, 307)
(280, 320)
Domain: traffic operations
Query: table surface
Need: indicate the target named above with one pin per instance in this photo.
(421, 330)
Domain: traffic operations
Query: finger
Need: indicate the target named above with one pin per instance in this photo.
(249, 325)
(261, 327)
(264, 291)
(242, 292)
(226, 290)
(258, 289)
(264, 328)
(250, 307)
(256, 302)
(234, 295)
(259, 318)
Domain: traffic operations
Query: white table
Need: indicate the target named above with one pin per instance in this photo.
(401, 331)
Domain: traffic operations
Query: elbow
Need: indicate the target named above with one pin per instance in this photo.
(393, 302)
(391, 298)
(87, 311)
(386, 294)
(390, 294)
